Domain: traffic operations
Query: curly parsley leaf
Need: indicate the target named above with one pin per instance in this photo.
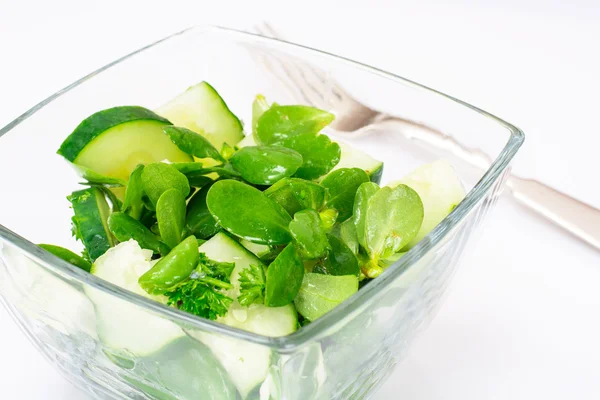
(252, 285)
(215, 269)
(199, 298)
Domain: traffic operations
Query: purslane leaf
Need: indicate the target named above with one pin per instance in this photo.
(282, 122)
(295, 194)
(342, 185)
(393, 219)
(319, 153)
(309, 235)
(170, 214)
(160, 177)
(133, 204)
(247, 213)
(297, 128)
(124, 227)
(284, 278)
(361, 203)
(199, 220)
(265, 165)
(192, 143)
(339, 260)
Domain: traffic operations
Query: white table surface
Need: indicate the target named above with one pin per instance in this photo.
(522, 319)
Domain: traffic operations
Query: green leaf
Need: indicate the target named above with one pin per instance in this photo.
(173, 268)
(284, 277)
(295, 194)
(319, 153)
(393, 219)
(192, 143)
(199, 181)
(199, 298)
(227, 151)
(320, 293)
(361, 202)
(309, 235)
(247, 213)
(194, 170)
(252, 285)
(134, 192)
(259, 106)
(339, 260)
(215, 269)
(297, 128)
(199, 220)
(170, 214)
(157, 178)
(348, 235)
(265, 165)
(68, 256)
(96, 178)
(342, 185)
(282, 122)
(125, 227)
(328, 217)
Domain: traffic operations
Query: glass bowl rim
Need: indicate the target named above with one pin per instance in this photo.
(285, 344)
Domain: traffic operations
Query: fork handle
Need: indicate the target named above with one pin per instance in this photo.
(578, 218)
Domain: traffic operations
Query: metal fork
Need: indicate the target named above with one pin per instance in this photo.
(309, 84)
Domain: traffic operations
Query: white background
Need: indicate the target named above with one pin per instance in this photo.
(522, 320)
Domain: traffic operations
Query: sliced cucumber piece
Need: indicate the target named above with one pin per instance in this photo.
(44, 297)
(202, 110)
(247, 363)
(262, 251)
(113, 142)
(122, 326)
(440, 190)
(183, 370)
(90, 221)
(354, 158)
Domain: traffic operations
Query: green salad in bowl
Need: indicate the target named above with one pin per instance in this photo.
(265, 230)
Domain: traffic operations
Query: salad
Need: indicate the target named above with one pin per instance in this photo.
(265, 231)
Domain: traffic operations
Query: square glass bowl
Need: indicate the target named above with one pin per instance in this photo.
(347, 353)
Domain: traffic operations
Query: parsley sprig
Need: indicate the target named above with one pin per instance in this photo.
(252, 285)
(202, 293)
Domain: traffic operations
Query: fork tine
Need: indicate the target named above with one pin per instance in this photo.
(296, 78)
(266, 29)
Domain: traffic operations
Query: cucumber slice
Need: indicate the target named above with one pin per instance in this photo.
(354, 158)
(183, 370)
(46, 298)
(262, 251)
(124, 327)
(113, 142)
(247, 364)
(202, 110)
(440, 190)
(90, 221)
